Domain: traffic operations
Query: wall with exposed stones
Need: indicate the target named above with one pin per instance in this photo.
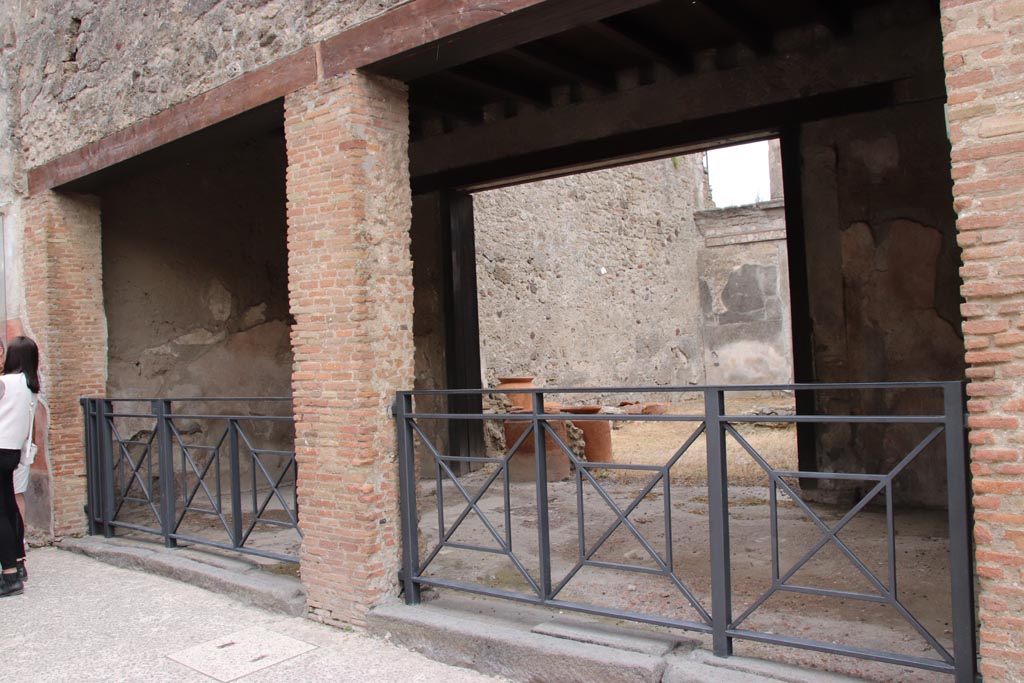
(607, 278)
(88, 68)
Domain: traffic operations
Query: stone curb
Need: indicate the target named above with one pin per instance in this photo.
(505, 640)
(238, 579)
(492, 647)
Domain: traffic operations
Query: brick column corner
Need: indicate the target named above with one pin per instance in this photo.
(984, 57)
(350, 289)
(62, 272)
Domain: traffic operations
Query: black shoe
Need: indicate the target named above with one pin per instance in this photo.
(22, 572)
(11, 585)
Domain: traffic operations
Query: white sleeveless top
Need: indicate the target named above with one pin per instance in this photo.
(17, 409)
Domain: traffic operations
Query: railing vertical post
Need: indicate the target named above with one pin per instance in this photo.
(407, 499)
(718, 518)
(235, 470)
(162, 411)
(959, 534)
(91, 470)
(541, 461)
(105, 459)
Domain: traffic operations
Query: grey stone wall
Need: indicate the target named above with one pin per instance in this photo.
(583, 280)
(607, 279)
(195, 278)
(86, 68)
(744, 286)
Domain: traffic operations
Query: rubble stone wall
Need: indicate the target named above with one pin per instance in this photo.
(607, 279)
(88, 68)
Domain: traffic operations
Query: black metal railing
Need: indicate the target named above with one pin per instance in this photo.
(945, 429)
(196, 477)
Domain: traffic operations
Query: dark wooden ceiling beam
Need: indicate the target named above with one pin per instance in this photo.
(747, 31)
(444, 105)
(674, 56)
(501, 85)
(564, 66)
(625, 41)
(502, 31)
(897, 53)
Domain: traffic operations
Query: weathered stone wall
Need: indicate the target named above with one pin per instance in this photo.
(882, 267)
(744, 288)
(195, 277)
(581, 279)
(88, 68)
(605, 279)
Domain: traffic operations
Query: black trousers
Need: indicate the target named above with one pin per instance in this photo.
(12, 528)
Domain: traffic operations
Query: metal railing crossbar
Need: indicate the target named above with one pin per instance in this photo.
(472, 503)
(125, 454)
(714, 424)
(114, 473)
(623, 519)
(586, 555)
(187, 461)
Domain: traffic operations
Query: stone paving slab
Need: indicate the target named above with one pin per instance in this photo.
(84, 621)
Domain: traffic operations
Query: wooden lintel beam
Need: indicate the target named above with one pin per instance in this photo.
(501, 85)
(564, 66)
(412, 39)
(503, 30)
(445, 105)
(736, 19)
(905, 56)
(243, 94)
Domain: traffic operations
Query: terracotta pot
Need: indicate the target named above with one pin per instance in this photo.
(582, 410)
(521, 466)
(597, 439)
(524, 401)
(655, 409)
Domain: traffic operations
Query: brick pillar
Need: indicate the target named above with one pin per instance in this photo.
(350, 287)
(64, 306)
(984, 55)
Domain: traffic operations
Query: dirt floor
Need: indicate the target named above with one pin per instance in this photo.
(920, 552)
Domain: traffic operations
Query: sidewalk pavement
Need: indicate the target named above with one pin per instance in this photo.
(82, 620)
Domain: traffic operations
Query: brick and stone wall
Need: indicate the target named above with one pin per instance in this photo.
(350, 287)
(984, 56)
(65, 308)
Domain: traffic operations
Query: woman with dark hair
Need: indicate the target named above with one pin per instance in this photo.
(19, 393)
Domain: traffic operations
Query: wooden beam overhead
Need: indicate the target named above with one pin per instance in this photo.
(746, 29)
(564, 66)
(674, 56)
(903, 57)
(414, 38)
(235, 97)
(501, 85)
(443, 104)
(502, 30)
